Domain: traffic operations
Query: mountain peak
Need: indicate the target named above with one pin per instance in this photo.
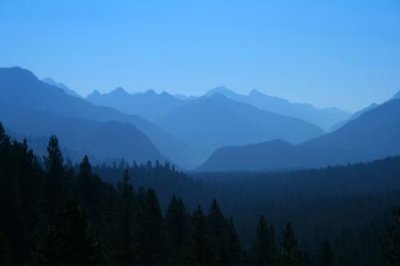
(95, 93)
(396, 96)
(17, 74)
(150, 92)
(119, 90)
(220, 90)
(61, 86)
(255, 92)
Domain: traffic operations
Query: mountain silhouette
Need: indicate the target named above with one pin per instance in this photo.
(106, 141)
(373, 135)
(354, 116)
(324, 118)
(61, 86)
(214, 121)
(20, 88)
(149, 104)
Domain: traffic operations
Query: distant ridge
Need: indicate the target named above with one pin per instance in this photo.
(210, 122)
(149, 104)
(324, 118)
(21, 89)
(61, 86)
(373, 135)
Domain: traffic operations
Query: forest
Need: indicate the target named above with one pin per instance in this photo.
(54, 212)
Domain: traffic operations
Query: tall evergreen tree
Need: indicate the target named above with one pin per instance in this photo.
(125, 234)
(265, 250)
(69, 242)
(88, 187)
(176, 220)
(234, 248)
(218, 234)
(55, 183)
(151, 246)
(197, 250)
(11, 204)
(291, 251)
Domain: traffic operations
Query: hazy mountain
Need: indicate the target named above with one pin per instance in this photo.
(20, 88)
(272, 155)
(61, 86)
(103, 140)
(214, 121)
(396, 96)
(374, 134)
(324, 118)
(149, 104)
(354, 116)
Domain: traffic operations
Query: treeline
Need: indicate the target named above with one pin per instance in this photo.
(52, 213)
(350, 206)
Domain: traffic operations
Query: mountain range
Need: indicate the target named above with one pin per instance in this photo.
(22, 90)
(324, 118)
(373, 135)
(210, 122)
(221, 130)
(61, 86)
(149, 104)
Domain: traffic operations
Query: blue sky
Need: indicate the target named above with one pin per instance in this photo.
(343, 53)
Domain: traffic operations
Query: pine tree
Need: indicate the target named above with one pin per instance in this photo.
(11, 205)
(197, 249)
(234, 248)
(151, 246)
(69, 242)
(291, 251)
(265, 246)
(125, 235)
(176, 220)
(55, 183)
(218, 234)
(88, 187)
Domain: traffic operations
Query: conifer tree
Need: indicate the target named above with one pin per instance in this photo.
(197, 249)
(150, 233)
(176, 220)
(88, 187)
(11, 207)
(234, 248)
(69, 241)
(291, 251)
(265, 246)
(125, 244)
(218, 234)
(55, 183)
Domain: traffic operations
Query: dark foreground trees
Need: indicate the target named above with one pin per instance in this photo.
(51, 214)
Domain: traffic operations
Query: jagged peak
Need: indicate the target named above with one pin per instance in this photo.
(219, 90)
(119, 90)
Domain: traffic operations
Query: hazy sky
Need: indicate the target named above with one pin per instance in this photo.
(344, 53)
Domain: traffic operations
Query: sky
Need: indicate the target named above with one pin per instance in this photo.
(328, 53)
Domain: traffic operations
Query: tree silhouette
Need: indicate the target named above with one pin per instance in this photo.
(265, 246)
(69, 241)
(291, 252)
(176, 220)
